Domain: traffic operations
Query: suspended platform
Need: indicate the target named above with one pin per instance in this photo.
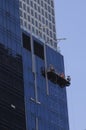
(56, 78)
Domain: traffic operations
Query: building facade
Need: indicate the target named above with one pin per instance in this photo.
(32, 90)
(12, 104)
(38, 17)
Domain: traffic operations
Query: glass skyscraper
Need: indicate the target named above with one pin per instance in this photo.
(32, 79)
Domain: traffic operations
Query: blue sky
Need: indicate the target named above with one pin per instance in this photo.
(71, 24)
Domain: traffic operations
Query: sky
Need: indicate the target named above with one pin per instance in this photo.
(71, 24)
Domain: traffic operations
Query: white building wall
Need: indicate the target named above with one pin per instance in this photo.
(37, 16)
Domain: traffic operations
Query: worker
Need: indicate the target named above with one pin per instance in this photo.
(62, 75)
(51, 68)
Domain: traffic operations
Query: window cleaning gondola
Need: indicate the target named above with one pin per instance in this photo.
(55, 77)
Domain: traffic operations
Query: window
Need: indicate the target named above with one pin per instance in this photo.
(24, 6)
(31, 3)
(38, 50)
(36, 23)
(26, 42)
(53, 20)
(52, 4)
(24, 15)
(20, 4)
(32, 21)
(32, 12)
(33, 29)
(50, 25)
(28, 1)
(28, 18)
(21, 21)
(21, 14)
(38, 1)
(42, 11)
(29, 26)
(42, 3)
(28, 9)
(38, 9)
(37, 32)
(49, 9)
(49, 17)
(39, 18)
(35, 6)
(35, 14)
(25, 24)
(45, 6)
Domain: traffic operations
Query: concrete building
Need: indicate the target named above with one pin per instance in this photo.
(38, 17)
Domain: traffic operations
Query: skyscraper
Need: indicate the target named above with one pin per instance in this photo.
(32, 79)
(38, 17)
(12, 104)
